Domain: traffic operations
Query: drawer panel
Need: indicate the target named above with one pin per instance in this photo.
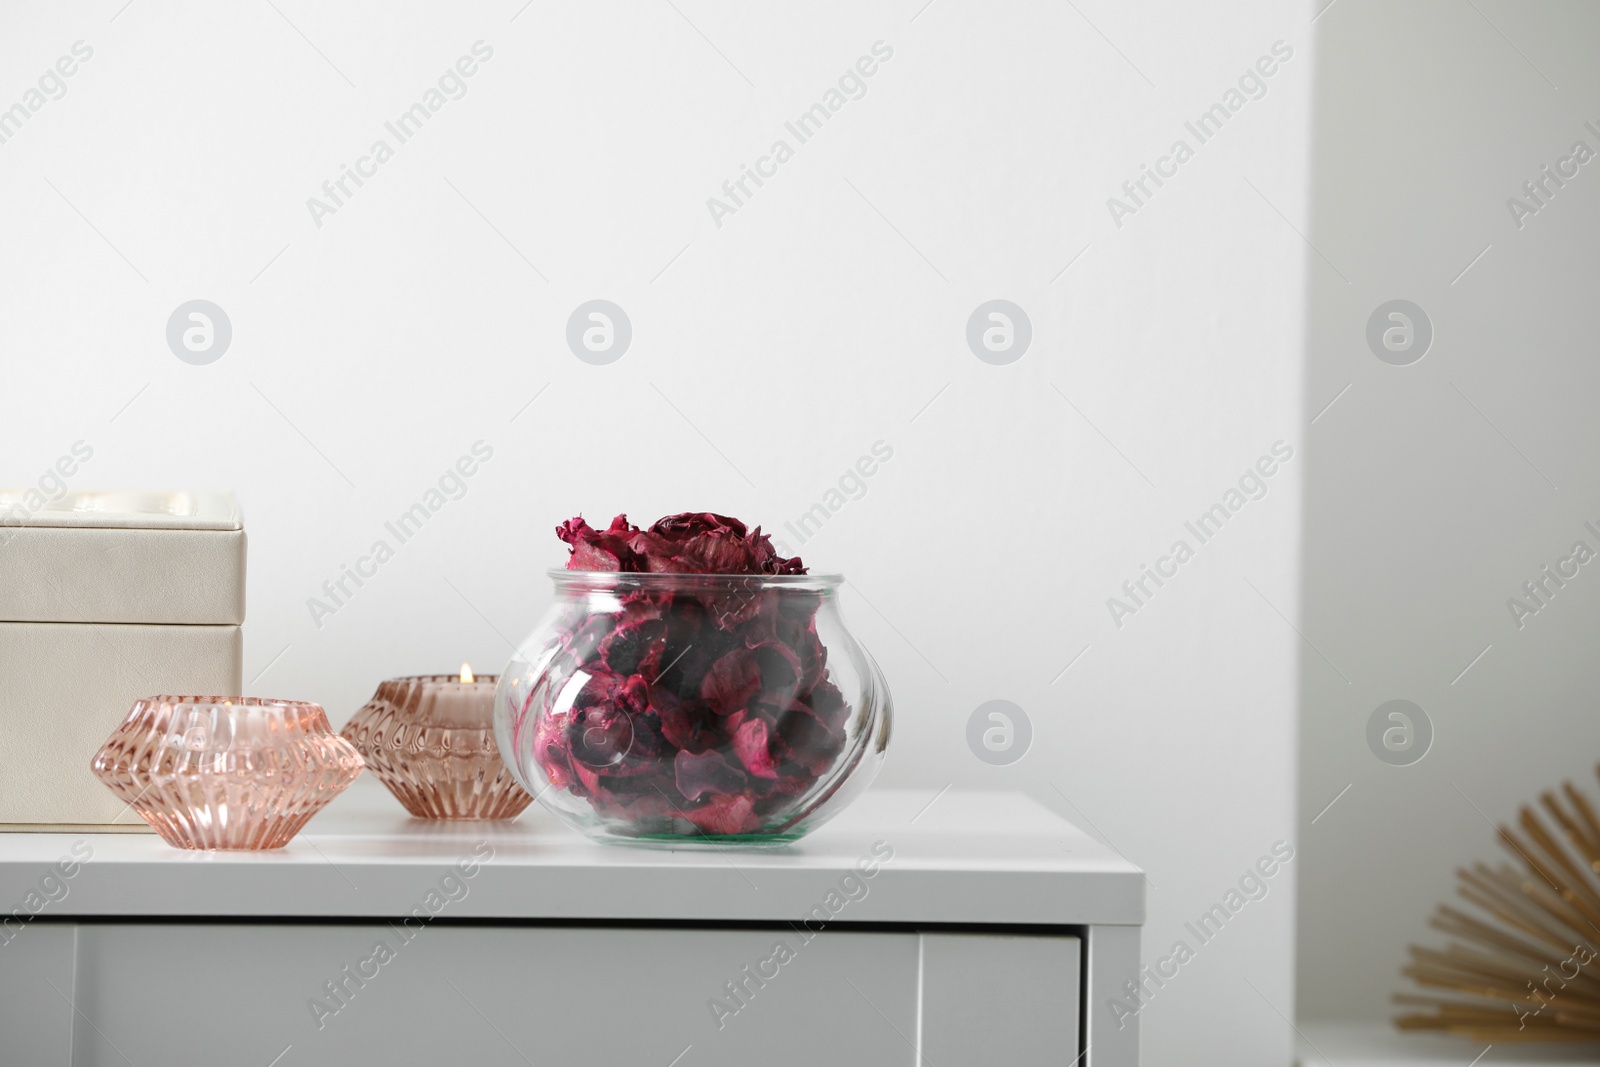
(182, 994)
(36, 994)
(997, 1000)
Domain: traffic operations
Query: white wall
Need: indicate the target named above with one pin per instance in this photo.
(828, 313)
(1437, 489)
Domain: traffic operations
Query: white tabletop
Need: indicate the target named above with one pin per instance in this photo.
(958, 857)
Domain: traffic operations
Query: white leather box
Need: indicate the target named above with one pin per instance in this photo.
(106, 597)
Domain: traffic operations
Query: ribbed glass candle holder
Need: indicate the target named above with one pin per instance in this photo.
(226, 772)
(431, 740)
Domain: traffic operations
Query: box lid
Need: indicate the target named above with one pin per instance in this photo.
(120, 556)
(121, 509)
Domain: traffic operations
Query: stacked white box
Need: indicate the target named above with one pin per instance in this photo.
(106, 597)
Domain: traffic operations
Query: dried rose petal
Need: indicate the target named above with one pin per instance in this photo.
(750, 745)
(550, 748)
(828, 704)
(726, 815)
(598, 550)
(732, 682)
(633, 799)
(688, 543)
(780, 672)
(630, 693)
(805, 740)
(687, 524)
(633, 648)
(812, 657)
(708, 772)
(691, 726)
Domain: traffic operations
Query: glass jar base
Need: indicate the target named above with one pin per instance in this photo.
(702, 843)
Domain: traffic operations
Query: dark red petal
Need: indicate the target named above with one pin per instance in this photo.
(688, 524)
(635, 648)
(732, 682)
(736, 605)
(714, 553)
(726, 815)
(828, 704)
(691, 726)
(780, 673)
(598, 550)
(750, 745)
(574, 530)
(687, 543)
(590, 556)
(611, 799)
(590, 781)
(708, 772)
(804, 741)
(550, 752)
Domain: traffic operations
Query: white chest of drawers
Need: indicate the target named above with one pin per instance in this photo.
(975, 929)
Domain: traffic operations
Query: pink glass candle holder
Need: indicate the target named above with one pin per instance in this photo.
(430, 739)
(226, 772)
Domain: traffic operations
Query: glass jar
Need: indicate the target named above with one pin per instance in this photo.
(676, 709)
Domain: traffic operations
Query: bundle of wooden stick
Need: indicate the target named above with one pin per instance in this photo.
(1528, 967)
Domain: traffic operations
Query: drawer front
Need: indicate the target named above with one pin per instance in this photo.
(190, 993)
(999, 1000)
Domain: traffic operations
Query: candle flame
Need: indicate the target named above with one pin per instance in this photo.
(466, 672)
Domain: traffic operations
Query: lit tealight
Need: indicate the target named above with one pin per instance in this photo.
(466, 673)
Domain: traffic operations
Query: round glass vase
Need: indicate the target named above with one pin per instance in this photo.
(684, 709)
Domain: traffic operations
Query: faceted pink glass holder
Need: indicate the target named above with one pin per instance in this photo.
(430, 739)
(226, 772)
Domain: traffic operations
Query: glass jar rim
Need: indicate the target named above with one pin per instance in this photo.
(603, 580)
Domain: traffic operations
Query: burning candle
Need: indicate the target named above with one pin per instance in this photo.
(430, 740)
